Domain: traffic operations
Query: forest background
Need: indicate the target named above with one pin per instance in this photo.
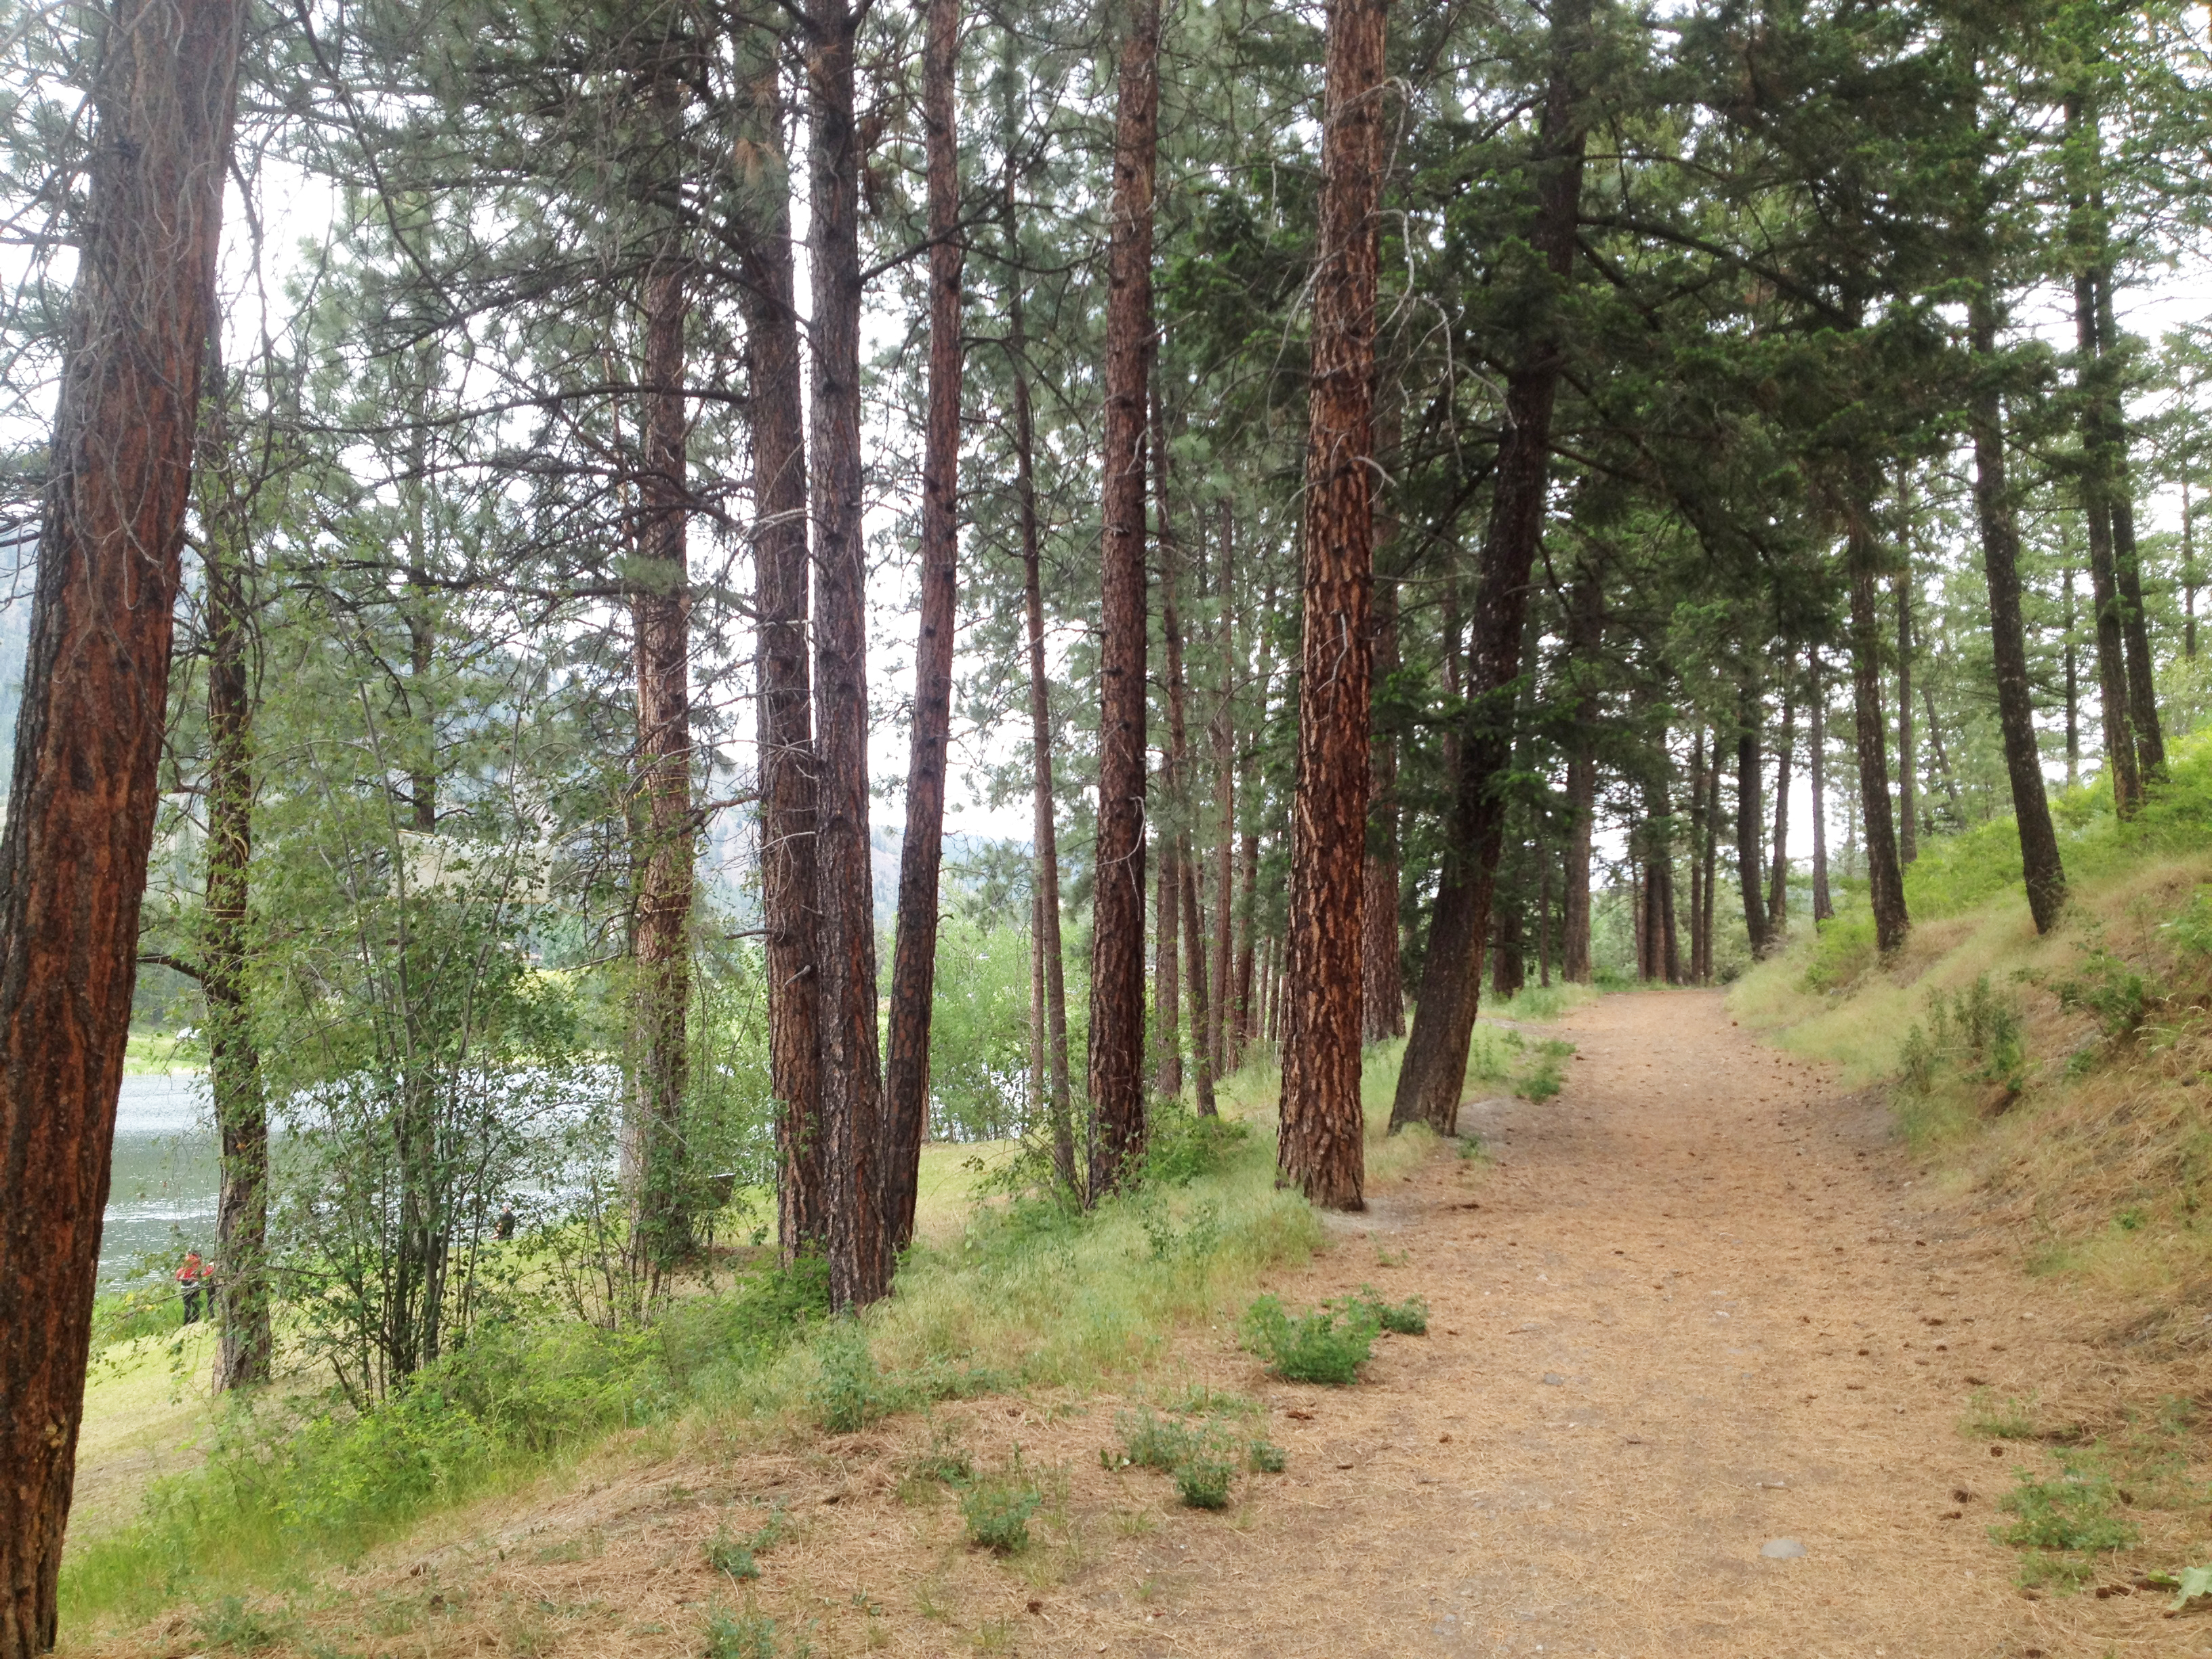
(633, 434)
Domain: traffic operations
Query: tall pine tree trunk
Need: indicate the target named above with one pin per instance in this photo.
(1778, 886)
(1750, 814)
(1381, 1001)
(660, 592)
(1179, 906)
(82, 807)
(1816, 742)
(1047, 855)
(913, 956)
(1224, 777)
(1884, 877)
(1434, 1071)
(851, 1075)
(241, 1110)
(784, 713)
(1586, 627)
(1321, 1149)
(1697, 858)
(1118, 949)
(2045, 875)
(1908, 804)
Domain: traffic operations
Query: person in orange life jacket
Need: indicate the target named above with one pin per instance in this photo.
(193, 1277)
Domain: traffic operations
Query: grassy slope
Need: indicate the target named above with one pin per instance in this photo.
(2095, 1141)
(992, 1299)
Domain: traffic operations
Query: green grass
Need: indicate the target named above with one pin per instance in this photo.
(1028, 1293)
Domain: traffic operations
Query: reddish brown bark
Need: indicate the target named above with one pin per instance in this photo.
(851, 1074)
(786, 722)
(914, 960)
(1434, 1071)
(1117, 951)
(88, 745)
(1321, 1149)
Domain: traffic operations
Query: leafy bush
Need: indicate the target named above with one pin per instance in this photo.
(848, 1392)
(736, 1556)
(231, 1624)
(1406, 1318)
(1182, 1145)
(1327, 1345)
(1202, 1482)
(1265, 1457)
(2075, 1511)
(998, 1511)
(747, 1635)
(2117, 995)
(2191, 931)
(1977, 1030)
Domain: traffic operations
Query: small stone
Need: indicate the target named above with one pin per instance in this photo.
(1553, 1379)
(1781, 1549)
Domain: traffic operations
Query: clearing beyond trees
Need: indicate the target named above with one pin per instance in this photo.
(1710, 1368)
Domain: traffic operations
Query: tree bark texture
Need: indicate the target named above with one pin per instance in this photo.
(1321, 1149)
(1697, 858)
(1041, 735)
(1434, 1070)
(784, 713)
(1885, 876)
(1585, 635)
(1816, 742)
(242, 1112)
(1179, 871)
(1994, 512)
(1224, 775)
(913, 956)
(1750, 815)
(1778, 886)
(1167, 957)
(1908, 803)
(1381, 998)
(2127, 564)
(660, 617)
(82, 806)
(1117, 950)
(851, 1074)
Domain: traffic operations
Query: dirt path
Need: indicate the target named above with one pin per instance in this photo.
(1698, 1318)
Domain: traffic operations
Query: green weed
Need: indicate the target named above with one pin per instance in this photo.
(998, 1510)
(2077, 1510)
(1202, 1482)
(1327, 1345)
(1406, 1318)
(231, 1624)
(2116, 995)
(1988, 1417)
(747, 1635)
(848, 1392)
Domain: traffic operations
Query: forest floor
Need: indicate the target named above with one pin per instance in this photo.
(1703, 1354)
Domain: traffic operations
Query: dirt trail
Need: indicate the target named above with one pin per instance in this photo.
(1696, 1308)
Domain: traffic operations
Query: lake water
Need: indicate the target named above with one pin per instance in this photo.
(162, 1194)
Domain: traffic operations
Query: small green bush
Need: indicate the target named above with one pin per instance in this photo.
(732, 1556)
(2075, 1511)
(848, 1392)
(231, 1624)
(1406, 1318)
(1151, 1442)
(1182, 1145)
(746, 1635)
(1202, 1482)
(1327, 1345)
(2118, 996)
(998, 1511)
(1265, 1457)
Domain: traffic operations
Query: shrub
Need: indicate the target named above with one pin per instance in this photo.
(1328, 1345)
(1406, 1318)
(746, 1635)
(2075, 1511)
(998, 1511)
(1265, 1457)
(1182, 1145)
(2116, 996)
(848, 1392)
(1202, 1482)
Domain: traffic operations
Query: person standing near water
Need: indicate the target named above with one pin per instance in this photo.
(192, 1278)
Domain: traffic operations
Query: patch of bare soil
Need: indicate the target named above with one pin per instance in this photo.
(1699, 1353)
